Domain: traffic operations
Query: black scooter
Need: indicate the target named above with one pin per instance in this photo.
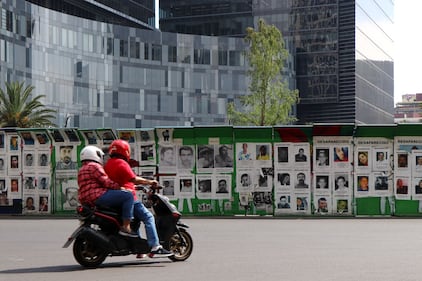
(97, 237)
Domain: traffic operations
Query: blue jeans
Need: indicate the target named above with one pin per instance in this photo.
(143, 214)
(118, 199)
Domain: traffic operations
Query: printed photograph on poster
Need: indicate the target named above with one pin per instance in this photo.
(69, 194)
(380, 183)
(28, 139)
(205, 161)
(71, 198)
(203, 186)
(382, 160)
(146, 135)
(28, 163)
(283, 201)
(43, 182)
(263, 200)
(107, 136)
(167, 158)
(223, 184)
(90, 137)
(14, 143)
(165, 135)
(402, 162)
(4, 199)
(243, 199)
(29, 204)
(128, 136)
(66, 157)
(417, 188)
(3, 164)
(42, 139)
(71, 135)
(362, 186)
(281, 155)
(416, 161)
(244, 180)
(168, 184)
(341, 157)
(302, 203)
(28, 182)
(322, 183)
(13, 185)
(43, 204)
(342, 205)
(301, 153)
(185, 157)
(283, 182)
(263, 154)
(401, 189)
(147, 154)
(43, 159)
(14, 163)
(224, 157)
(363, 158)
(245, 153)
(57, 136)
(341, 183)
(322, 204)
(301, 180)
(3, 186)
(322, 158)
(261, 181)
(185, 187)
(147, 172)
(2, 143)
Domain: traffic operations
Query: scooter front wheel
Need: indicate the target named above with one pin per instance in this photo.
(181, 245)
(87, 253)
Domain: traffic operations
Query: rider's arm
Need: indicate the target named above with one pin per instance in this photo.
(141, 180)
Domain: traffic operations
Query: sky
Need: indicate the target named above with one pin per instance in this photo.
(408, 48)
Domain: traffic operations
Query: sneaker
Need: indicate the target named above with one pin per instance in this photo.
(160, 253)
(128, 234)
(141, 256)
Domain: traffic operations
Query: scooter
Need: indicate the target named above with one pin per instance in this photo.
(97, 236)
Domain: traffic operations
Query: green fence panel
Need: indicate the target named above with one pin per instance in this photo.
(253, 200)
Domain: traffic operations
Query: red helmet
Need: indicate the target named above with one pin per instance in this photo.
(120, 148)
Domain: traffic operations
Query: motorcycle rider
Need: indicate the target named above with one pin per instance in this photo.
(120, 171)
(96, 188)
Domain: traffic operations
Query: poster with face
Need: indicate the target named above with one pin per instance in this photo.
(322, 205)
(244, 180)
(168, 183)
(185, 158)
(402, 187)
(322, 183)
(185, 186)
(167, 158)
(223, 184)
(283, 203)
(204, 187)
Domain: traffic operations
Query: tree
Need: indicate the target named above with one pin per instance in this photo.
(17, 109)
(270, 100)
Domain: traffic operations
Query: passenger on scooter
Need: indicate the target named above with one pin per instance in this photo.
(120, 171)
(96, 188)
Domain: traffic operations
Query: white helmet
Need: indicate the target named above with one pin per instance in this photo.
(92, 153)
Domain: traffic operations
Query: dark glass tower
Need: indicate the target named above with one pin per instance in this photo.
(341, 50)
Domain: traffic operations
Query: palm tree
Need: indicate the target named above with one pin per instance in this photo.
(17, 109)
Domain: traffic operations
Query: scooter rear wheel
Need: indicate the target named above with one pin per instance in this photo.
(181, 246)
(87, 253)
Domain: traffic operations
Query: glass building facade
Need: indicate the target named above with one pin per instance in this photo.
(104, 64)
(107, 75)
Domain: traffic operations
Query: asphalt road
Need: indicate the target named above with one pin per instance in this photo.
(230, 249)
